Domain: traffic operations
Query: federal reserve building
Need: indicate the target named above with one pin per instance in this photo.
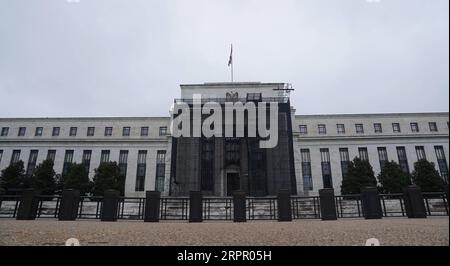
(311, 151)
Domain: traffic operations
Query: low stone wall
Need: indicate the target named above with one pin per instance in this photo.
(222, 209)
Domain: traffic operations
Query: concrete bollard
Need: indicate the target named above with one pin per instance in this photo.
(68, 207)
(152, 206)
(327, 204)
(371, 204)
(239, 206)
(414, 203)
(110, 206)
(195, 207)
(284, 206)
(28, 206)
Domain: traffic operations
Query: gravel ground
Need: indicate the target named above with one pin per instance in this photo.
(389, 231)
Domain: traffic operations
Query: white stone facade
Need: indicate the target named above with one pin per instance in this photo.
(154, 142)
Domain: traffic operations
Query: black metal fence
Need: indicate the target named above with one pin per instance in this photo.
(221, 208)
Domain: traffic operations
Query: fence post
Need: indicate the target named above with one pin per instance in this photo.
(239, 208)
(68, 207)
(371, 204)
(195, 207)
(415, 207)
(327, 204)
(284, 206)
(28, 206)
(110, 206)
(152, 205)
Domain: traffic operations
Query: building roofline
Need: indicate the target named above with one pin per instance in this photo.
(227, 84)
(86, 118)
(373, 115)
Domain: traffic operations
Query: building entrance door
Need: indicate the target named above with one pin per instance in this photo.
(233, 183)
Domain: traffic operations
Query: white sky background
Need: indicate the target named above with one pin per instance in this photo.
(128, 57)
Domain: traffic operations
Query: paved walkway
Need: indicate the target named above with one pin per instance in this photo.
(389, 231)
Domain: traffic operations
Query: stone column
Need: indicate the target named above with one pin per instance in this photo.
(284, 206)
(152, 206)
(414, 204)
(28, 205)
(110, 206)
(327, 204)
(195, 207)
(239, 206)
(68, 208)
(371, 204)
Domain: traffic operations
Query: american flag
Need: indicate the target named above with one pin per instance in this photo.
(230, 61)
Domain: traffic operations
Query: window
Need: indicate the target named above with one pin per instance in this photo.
(322, 129)
(306, 170)
(1, 155)
(38, 131)
(377, 127)
(433, 126)
(90, 131)
(15, 157)
(345, 160)
(51, 154)
(73, 131)
(420, 151)
(108, 131)
(363, 154)
(303, 129)
(31, 162)
(383, 157)
(326, 168)
(232, 151)
(402, 159)
(396, 127)
(254, 97)
(22, 131)
(160, 170)
(414, 127)
(359, 128)
(55, 131)
(340, 128)
(5, 131)
(442, 162)
(126, 131)
(68, 158)
(140, 175)
(123, 162)
(207, 164)
(144, 131)
(104, 158)
(86, 160)
(162, 131)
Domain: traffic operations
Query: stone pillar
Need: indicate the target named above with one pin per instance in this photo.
(195, 207)
(28, 206)
(68, 207)
(284, 206)
(371, 204)
(414, 204)
(110, 206)
(327, 204)
(239, 206)
(152, 205)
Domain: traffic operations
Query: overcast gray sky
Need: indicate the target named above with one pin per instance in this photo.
(128, 57)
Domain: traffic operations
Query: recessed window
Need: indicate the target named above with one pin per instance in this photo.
(340, 128)
(90, 131)
(22, 131)
(5, 131)
(38, 131)
(126, 131)
(322, 129)
(396, 127)
(104, 158)
(254, 96)
(144, 131)
(73, 131)
(363, 154)
(359, 128)
(420, 152)
(414, 127)
(163, 131)
(55, 131)
(377, 127)
(303, 129)
(108, 131)
(433, 126)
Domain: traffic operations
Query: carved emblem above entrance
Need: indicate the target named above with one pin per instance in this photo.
(232, 95)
